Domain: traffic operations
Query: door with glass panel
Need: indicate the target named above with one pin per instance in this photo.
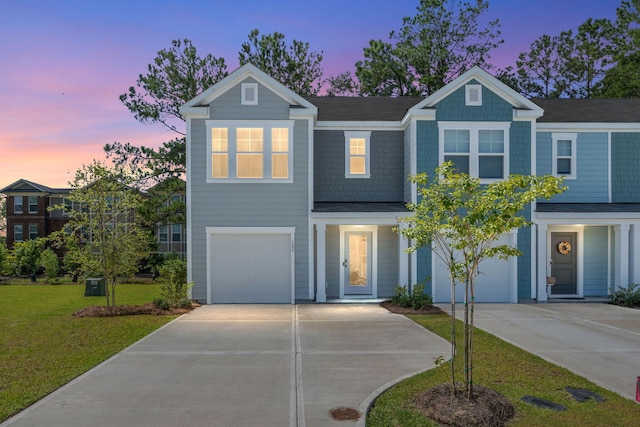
(357, 263)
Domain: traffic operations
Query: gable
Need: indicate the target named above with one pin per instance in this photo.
(455, 107)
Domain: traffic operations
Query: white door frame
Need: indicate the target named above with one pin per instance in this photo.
(211, 231)
(373, 229)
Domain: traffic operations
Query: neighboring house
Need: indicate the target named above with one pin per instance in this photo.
(170, 233)
(28, 215)
(296, 198)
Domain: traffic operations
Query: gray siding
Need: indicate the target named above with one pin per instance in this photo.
(625, 165)
(387, 261)
(251, 204)
(596, 240)
(407, 164)
(591, 184)
(386, 183)
(333, 261)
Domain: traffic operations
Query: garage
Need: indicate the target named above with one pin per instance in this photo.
(250, 265)
(496, 283)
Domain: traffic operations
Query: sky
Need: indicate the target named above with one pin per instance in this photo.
(64, 63)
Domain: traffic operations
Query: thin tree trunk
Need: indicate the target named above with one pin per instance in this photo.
(471, 322)
(453, 335)
(466, 334)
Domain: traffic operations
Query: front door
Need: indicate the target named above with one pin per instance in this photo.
(563, 263)
(357, 263)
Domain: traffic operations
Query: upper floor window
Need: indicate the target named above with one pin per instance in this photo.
(18, 207)
(564, 154)
(18, 235)
(357, 154)
(176, 232)
(163, 233)
(250, 151)
(480, 150)
(33, 204)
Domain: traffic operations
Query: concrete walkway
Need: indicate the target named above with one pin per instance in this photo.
(600, 342)
(243, 365)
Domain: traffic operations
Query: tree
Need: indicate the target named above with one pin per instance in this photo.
(294, 66)
(344, 84)
(539, 70)
(3, 214)
(460, 220)
(103, 235)
(27, 256)
(177, 75)
(438, 44)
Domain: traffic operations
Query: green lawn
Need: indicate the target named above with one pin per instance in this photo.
(513, 373)
(43, 347)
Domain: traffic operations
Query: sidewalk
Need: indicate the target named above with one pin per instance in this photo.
(246, 365)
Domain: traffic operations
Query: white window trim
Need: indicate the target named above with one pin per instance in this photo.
(15, 227)
(15, 205)
(468, 89)
(32, 204)
(473, 128)
(573, 137)
(366, 135)
(266, 125)
(249, 87)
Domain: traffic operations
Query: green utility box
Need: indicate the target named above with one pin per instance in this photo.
(94, 288)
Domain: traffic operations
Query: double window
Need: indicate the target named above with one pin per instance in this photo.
(564, 154)
(357, 154)
(250, 151)
(480, 150)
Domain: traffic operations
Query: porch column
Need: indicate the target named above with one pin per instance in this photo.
(635, 268)
(621, 274)
(403, 260)
(542, 263)
(321, 269)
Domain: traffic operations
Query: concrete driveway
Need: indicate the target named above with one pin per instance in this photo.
(600, 342)
(246, 365)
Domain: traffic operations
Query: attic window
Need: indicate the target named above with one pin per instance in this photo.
(473, 95)
(249, 93)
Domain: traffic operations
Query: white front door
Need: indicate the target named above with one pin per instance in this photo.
(357, 263)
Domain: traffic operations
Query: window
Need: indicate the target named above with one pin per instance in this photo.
(163, 233)
(473, 95)
(564, 154)
(17, 233)
(250, 151)
(249, 93)
(176, 232)
(478, 149)
(33, 231)
(33, 204)
(17, 205)
(357, 154)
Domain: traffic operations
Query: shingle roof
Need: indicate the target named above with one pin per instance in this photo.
(587, 207)
(560, 110)
(362, 108)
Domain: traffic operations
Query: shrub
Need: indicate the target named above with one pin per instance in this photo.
(173, 276)
(161, 303)
(49, 261)
(417, 299)
(627, 297)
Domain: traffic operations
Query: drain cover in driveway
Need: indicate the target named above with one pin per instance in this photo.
(345, 414)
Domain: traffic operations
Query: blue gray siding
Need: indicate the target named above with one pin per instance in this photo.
(591, 184)
(520, 148)
(596, 242)
(387, 261)
(493, 108)
(386, 183)
(625, 174)
(407, 164)
(251, 204)
(333, 262)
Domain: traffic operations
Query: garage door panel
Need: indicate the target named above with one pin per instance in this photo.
(251, 268)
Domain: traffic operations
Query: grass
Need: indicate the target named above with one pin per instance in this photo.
(513, 373)
(43, 347)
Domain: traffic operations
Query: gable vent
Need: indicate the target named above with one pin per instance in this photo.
(473, 95)
(249, 93)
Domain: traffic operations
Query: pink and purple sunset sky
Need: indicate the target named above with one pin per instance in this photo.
(63, 63)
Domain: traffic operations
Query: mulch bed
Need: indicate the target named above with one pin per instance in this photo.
(432, 309)
(130, 310)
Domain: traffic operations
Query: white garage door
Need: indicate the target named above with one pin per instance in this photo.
(247, 268)
(494, 284)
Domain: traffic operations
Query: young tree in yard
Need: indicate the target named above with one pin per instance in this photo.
(27, 256)
(103, 235)
(460, 220)
(3, 214)
(439, 43)
(293, 66)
